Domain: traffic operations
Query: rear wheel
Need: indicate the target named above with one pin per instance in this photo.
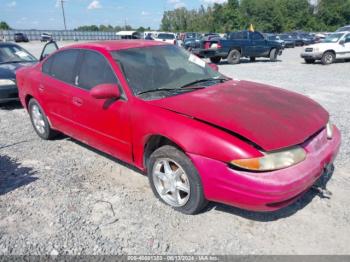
(175, 180)
(234, 57)
(215, 59)
(39, 121)
(309, 61)
(273, 55)
(328, 58)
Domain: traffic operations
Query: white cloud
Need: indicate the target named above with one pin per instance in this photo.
(177, 3)
(210, 2)
(94, 5)
(12, 4)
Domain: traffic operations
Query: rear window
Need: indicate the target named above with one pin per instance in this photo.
(63, 65)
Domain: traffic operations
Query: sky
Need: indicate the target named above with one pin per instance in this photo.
(47, 14)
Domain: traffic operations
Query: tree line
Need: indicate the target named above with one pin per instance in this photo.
(266, 15)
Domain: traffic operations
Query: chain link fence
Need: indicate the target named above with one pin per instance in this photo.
(58, 35)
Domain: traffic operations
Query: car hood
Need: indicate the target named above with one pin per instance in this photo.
(8, 71)
(270, 117)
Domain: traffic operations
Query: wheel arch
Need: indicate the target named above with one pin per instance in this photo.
(155, 141)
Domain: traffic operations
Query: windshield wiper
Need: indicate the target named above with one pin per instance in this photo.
(204, 80)
(169, 90)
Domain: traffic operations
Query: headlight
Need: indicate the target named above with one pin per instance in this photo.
(6, 82)
(273, 160)
(329, 129)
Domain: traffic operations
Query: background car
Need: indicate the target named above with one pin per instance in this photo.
(239, 44)
(12, 57)
(167, 38)
(20, 37)
(289, 41)
(344, 28)
(45, 37)
(334, 47)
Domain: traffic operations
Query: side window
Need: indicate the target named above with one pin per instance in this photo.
(94, 71)
(47, 65)
(347, 38)
(257, 36)
(63, 65)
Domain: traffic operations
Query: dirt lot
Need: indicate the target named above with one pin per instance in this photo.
(63, 197)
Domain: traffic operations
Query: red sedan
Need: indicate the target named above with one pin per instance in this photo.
(199, 135)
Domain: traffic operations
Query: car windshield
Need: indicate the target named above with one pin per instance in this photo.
(333, 38)
(14, 54)
(166, 68)
(166, 36)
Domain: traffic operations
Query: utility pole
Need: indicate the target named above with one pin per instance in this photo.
(64, 16)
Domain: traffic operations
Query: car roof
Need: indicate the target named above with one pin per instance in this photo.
(115, 45)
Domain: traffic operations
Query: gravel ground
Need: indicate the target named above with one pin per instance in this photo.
(62, 197)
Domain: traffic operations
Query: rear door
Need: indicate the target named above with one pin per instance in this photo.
(56, 89)
(102, 123)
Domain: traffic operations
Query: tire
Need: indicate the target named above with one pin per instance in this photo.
(328, 58)
(192, 198)
(39, 121)
(309, 60)
(252, 59)
(234, 57)
(273, 55)
(215, 59)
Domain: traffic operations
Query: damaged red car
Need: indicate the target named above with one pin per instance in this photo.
(200, 136)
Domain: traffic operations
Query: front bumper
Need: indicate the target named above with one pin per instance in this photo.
(311, 55)
(8, 93)
(267, 191)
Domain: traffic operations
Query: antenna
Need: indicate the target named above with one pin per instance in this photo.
(64, 16)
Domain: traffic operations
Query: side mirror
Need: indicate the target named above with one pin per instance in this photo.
(214, 66)
(105, 91)
(342, 42)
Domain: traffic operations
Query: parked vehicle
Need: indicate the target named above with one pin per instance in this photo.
(276, 38)
(199, 135)
(344, 28)
(128, 35)
(289, 41)
(167, 38)
(46, 37)
(240, 44)
(12, 57)
(20, 37)
(334, 47)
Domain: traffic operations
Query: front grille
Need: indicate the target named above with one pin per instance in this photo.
(309, 50)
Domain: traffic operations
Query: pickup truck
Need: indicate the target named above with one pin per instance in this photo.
(237, 45)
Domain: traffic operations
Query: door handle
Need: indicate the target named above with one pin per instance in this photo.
(41, 88)
(77, 101)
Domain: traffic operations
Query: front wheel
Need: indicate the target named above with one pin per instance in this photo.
(215, 59)
(39, 121)
(328, 58)
(175, 180)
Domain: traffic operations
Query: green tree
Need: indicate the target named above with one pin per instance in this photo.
(4, 26)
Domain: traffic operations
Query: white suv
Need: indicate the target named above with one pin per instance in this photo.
(334, 47)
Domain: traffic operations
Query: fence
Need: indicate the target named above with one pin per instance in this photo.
(33, 35)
